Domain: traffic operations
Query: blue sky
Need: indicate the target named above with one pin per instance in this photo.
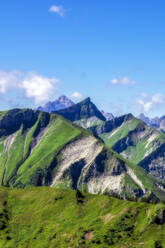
(110, 50)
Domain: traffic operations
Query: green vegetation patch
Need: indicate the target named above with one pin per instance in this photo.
(48, 217)
(112, 137)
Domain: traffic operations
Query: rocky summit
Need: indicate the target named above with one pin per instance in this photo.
(61, 103)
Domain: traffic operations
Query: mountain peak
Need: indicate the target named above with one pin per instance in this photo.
(63, 98)
(86, 100)
(128, 116)
(61, 103)
(82, 110)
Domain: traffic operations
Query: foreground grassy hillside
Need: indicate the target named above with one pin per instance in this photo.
(46, 217)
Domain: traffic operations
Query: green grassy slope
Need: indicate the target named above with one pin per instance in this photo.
(137, 142)
(27, 154)
(46, 217)
(121, 132)
(139, 147)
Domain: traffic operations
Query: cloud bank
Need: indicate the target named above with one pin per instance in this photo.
(151, 102)
(34, 86)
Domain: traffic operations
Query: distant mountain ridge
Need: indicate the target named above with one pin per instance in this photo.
(157, 122)
(61, 103)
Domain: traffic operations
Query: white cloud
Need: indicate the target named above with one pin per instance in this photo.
(38, 87)
(158, 98)
(122, 81)
(146, 106)
(34, 86)
(151, 103)
(9, 80)
(59, 10)
(76, 95)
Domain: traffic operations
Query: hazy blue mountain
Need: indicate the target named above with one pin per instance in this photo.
(61, 103)
(154, 122)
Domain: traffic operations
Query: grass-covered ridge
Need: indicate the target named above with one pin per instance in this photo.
(47, 217)
(32, 147)
(139, 143)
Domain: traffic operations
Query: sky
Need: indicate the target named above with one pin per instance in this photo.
(110, 50)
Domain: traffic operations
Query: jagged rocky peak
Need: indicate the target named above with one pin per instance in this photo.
(61, 103)
(82, 110)
(65, 99)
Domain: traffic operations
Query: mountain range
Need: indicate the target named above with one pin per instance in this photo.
(127, 135)
(38, 148)
(64, 102)
(157, 122)
(62, 174)
(139, 141)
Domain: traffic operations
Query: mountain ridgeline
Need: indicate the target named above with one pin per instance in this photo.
(38, 148)
(156, 122)
(127, 135)
(83, 110)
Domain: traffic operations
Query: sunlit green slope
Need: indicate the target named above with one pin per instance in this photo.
(47, 217)
(136, 141)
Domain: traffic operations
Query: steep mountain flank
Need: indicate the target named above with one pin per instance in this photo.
(47, 217)
(39, 148)
(136, 141)
(84, 113)
(61, 103)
